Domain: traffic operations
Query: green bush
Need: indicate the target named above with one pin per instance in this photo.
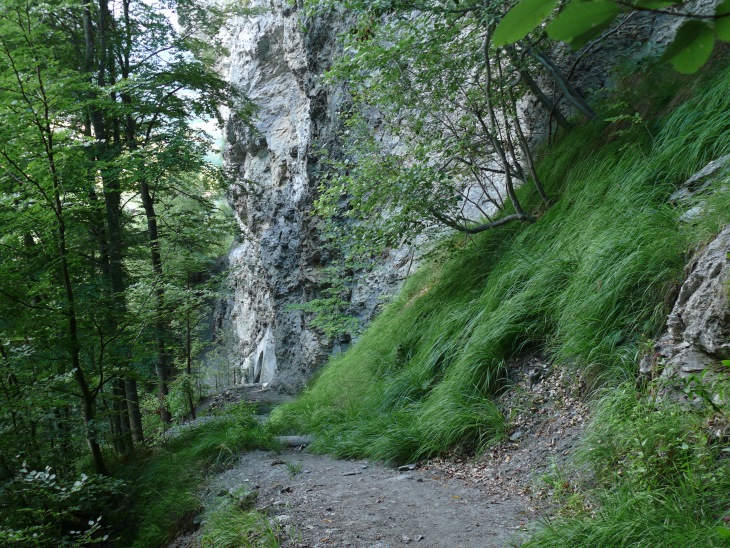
(38, 508)
(165, 484)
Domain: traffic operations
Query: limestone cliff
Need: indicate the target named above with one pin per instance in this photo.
(278, 260)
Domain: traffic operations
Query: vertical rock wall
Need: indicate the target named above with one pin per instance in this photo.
(278, 262)
(270, 196)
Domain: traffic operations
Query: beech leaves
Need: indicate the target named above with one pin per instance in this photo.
(577, 22)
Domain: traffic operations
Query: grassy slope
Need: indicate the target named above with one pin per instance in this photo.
(660, 477)
(589, 281)
(166, 483)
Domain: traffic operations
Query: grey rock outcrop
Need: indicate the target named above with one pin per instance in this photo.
(279, 260)
(698, 328)
(270, 194)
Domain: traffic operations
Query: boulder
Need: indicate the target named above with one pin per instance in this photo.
(698, 328)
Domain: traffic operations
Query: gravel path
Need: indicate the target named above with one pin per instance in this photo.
(459, 501)
(333, 502)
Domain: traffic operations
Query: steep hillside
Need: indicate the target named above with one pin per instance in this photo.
(589, 283)
(280, 54)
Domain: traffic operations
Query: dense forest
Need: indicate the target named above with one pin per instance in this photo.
(111, 221)
(547, 224)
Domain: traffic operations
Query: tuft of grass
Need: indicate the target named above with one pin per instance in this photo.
(670, 517)
(229, 525)
(165, 482)
(661, 477)
(589, 282)
(294, 468)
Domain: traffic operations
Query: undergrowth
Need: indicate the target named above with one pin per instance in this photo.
(660, 477)
(165, 483)
(590, 281)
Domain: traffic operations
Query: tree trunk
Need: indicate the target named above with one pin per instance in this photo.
(123, 438)
(499, 149)
(135, 417)
(189, 363)
(87, 409)
(129, 418)
(571, 94)
(550, 107)
(162, 366)
(74, 346)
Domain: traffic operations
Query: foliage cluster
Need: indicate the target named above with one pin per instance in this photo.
(165, 483)
(434, 121)
(108, 223)
(41, 509)
(435, 134)
(329, 310)
(439, 91)
(578, 23)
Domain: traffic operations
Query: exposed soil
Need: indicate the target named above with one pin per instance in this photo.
(356, 503)
(485, 500)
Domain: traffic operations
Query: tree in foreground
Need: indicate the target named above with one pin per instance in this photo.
(95, 109)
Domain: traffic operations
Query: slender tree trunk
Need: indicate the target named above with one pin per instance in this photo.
(521, 139)
(162, 366)
(123, 439)
(571, 94)
(135, 417)
(88, 397)
(499, 149)
(129, 418)
(130, 137)
(189, 364)
(550, 107)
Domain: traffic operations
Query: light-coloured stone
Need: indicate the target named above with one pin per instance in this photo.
(279, 259)
(698, 328)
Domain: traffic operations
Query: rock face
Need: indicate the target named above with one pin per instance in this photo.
(278, 62)
(270, 195)
(279, 261)
(698, 328)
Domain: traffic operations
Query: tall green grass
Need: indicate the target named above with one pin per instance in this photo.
(228, 525)
(588, 282)
(660, 477)
(165, 484)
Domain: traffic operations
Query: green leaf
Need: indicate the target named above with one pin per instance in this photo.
(691, 47)
(521, 19)
(581, 19)
(580, 41)
(722, 25)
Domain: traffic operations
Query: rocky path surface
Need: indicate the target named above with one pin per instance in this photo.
(321, 501)
(484, 500)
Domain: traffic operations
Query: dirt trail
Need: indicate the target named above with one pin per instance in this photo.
(333, 502)
(485, 500)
